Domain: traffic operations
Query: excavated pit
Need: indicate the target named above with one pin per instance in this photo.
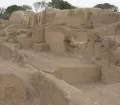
(73, 71)
(85, 78)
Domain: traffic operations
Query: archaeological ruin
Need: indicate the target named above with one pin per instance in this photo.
(60, 57)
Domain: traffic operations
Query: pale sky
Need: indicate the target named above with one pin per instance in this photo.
(80, 3)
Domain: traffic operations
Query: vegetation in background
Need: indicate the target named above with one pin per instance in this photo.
(13, 8)
(26, 7)
(59, 4)
(107, 6)
(5, 13)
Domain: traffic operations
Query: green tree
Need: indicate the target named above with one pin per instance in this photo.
(60, 4)
(107, 6)
(13, 8)
(26, 7)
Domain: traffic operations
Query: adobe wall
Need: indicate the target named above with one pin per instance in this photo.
(109, 30)
(104, 51)
(54, 36)
(82, 74)
(76, 22)
(72, 18)
(80, 16)
(21, 17)
(41, 17)
(110, 61)
(38, 33)
(85, 19)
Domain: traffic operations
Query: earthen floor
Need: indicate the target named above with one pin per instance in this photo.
(50, 62)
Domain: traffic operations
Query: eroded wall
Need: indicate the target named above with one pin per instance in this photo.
(57, 92)
(104, 51)
(21, 17)
(84, 20)
(76, 23)
(79, 75)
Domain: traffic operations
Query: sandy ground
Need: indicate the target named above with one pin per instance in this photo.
(107, 95)
(87, 87)
(103, 94)
(50, 62)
